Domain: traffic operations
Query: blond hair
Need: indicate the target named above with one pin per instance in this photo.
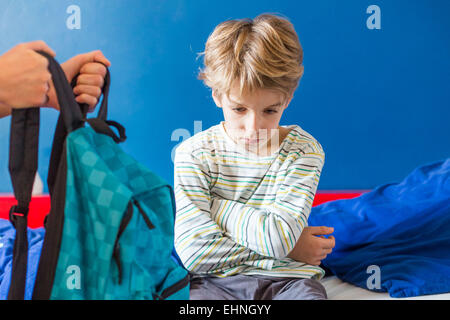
(260, 53)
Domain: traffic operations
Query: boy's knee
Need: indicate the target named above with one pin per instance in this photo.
(303, 289)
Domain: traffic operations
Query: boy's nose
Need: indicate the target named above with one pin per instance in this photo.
(252, 126)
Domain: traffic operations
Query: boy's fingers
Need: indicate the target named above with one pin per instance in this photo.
(332, 241)
(321, 230)
(40, 45)
(328, 243)
(327, 251)
(322, 257)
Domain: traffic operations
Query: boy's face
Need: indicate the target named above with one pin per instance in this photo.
(252, 120)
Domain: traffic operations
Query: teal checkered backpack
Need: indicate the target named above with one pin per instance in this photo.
(110, 230)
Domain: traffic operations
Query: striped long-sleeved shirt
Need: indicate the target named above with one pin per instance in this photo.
(242, 213)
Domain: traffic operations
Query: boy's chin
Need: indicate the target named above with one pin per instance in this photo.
(253, 147)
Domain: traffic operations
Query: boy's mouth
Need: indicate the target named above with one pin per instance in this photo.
(250, 140)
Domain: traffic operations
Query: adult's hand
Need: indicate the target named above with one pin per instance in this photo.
(26, 82)
(92, 69)
(24, 78)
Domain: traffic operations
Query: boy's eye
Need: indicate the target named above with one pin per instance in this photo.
(239, 109)
(270, 111)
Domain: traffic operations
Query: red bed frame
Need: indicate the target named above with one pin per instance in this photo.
(40, 205)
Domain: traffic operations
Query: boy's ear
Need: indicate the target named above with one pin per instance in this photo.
(216, 99)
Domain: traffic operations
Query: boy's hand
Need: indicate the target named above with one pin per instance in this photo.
(312, 247)
(92, 70)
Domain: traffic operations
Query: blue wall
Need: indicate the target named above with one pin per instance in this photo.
(376, 99)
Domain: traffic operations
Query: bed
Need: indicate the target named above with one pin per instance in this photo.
(340, 290)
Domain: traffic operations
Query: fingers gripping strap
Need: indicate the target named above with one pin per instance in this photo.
(103, 110)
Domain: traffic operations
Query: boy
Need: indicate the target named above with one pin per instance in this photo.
(244, 188)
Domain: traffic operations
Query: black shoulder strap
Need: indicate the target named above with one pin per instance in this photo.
(23, 159)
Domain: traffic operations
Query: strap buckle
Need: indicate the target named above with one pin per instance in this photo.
(17, 211)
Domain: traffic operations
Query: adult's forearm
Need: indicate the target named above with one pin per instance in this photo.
(5, 110)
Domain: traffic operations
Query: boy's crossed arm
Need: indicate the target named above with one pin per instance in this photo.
(280, 229)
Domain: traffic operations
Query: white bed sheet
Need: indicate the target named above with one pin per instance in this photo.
(340, 290)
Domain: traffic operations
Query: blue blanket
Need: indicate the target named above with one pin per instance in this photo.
(395, 238)
(35, 240)
(398, 232)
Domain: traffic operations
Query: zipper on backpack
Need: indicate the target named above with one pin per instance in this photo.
(116, 251)
(123, 224)
(177, 286)
(149, 224)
